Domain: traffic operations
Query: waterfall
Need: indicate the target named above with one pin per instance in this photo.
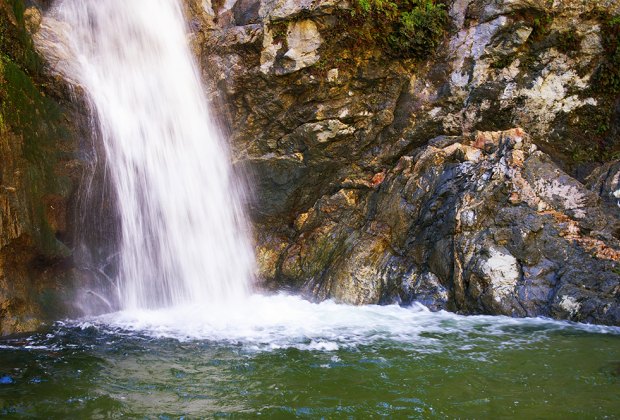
(184, 236)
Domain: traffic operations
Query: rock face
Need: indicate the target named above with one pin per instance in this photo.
(376, 178)
(38, 174)
(379, 179)
(479, 224)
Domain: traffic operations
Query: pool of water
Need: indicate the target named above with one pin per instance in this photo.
(282, 357)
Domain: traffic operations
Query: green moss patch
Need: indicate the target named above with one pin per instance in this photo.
(15, 41)
(399, 29)
(608, 75)
(402, 28)
(28, 116)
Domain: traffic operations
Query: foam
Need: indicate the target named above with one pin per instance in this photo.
(275, 322)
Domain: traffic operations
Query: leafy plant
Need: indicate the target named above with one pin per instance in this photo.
(419, 31)
(541, 26)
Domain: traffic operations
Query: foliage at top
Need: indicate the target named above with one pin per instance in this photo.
(404, 28)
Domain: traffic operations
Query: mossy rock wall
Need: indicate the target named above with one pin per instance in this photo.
(38, 172)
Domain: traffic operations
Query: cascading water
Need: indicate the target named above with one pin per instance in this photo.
(184, 235)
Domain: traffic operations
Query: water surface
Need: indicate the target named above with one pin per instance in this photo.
(281, 357)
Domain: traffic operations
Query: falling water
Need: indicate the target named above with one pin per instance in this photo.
(184, 236)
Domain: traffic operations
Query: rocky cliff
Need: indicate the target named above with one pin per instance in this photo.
(38, 175)
(459, 153)
(381, 176)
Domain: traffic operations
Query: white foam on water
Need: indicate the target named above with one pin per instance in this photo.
(282, 321)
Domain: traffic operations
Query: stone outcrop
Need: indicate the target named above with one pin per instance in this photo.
(379, 179)
(485, 224)
(39, 170)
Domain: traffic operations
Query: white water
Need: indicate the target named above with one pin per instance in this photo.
(184, 234)
(274, 322)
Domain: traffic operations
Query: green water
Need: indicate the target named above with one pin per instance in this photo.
(461, 367)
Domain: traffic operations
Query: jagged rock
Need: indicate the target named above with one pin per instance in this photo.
(436, 213)
(288, 9)
(303, 40)
(471, 232)
(605, 181)
(246, 12)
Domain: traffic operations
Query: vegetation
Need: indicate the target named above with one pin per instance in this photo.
(28, 117)
(15, 42)
(404, 28)
(608, 76)
(503, 62)
(399, 28)
(278, 31)
(541, 26)
(568, 42)
(410, 29)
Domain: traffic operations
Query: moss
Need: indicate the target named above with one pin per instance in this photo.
(503, 62)
(278, 31)
(568, 42)
(29, 116)
(403, 29)
(591, 127)
(15, 41)
(541, 26)
(29, 113)
(607, 78)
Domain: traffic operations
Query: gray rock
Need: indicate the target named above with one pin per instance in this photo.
(473, 235)
(605, 181)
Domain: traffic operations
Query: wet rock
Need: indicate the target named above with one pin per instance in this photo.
(483, 235)
(605, 181)
(380, 180)
(40, 124)
(377, 179)
(32, 19)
